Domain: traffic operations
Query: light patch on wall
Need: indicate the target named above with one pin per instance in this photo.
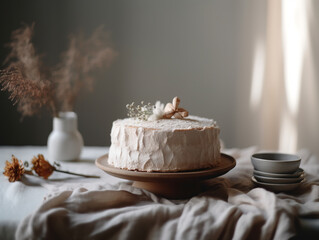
(257, 75)
(294, 33)
(288, 135)
(294, 25)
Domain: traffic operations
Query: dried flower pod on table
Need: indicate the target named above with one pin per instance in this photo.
(14, 170)
(42, 167)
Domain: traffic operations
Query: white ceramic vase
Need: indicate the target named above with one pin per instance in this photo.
(65, 141)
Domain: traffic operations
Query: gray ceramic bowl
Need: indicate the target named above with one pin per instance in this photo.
(275, 162)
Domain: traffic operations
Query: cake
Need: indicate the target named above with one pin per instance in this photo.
(164, 143)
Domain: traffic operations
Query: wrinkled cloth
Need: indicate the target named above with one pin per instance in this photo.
(230, 207)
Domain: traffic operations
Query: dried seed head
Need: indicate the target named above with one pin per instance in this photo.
(42, 167)
(13, 170)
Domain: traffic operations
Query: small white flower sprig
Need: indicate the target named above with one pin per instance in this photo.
(149, 112)
(141, 111)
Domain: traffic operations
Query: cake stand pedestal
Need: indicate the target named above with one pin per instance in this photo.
(171, 189)
(172, 185)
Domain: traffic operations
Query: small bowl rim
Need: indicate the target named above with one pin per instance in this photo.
(296, 157)
(301, 177)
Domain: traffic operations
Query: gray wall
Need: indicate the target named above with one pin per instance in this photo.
(201, 51)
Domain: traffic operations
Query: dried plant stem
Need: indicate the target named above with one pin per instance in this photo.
(29, 172)
(54, 109)
(76, 174)
(33, 86)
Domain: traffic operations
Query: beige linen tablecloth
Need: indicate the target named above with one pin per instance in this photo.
(231, 207)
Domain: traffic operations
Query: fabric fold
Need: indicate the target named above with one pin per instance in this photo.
(230, 207)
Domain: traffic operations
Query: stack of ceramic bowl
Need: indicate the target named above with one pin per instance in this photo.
(277, 172)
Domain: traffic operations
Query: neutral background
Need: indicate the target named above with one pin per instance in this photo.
(202, 51)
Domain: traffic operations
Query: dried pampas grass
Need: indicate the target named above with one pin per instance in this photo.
(33, 86)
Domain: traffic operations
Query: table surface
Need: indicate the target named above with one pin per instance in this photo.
(19, 199)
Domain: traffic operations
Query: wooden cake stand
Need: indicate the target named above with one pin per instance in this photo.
(173, 185)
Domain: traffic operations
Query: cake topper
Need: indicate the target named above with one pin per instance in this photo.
(158, 112)
(149, 112)
(172, 109)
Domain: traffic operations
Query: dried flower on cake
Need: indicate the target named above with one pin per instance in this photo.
(158, 111)
(14, 170)
(42, 167)
(141, 112)
(172, 109)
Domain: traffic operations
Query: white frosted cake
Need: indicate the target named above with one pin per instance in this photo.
(165, 145)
